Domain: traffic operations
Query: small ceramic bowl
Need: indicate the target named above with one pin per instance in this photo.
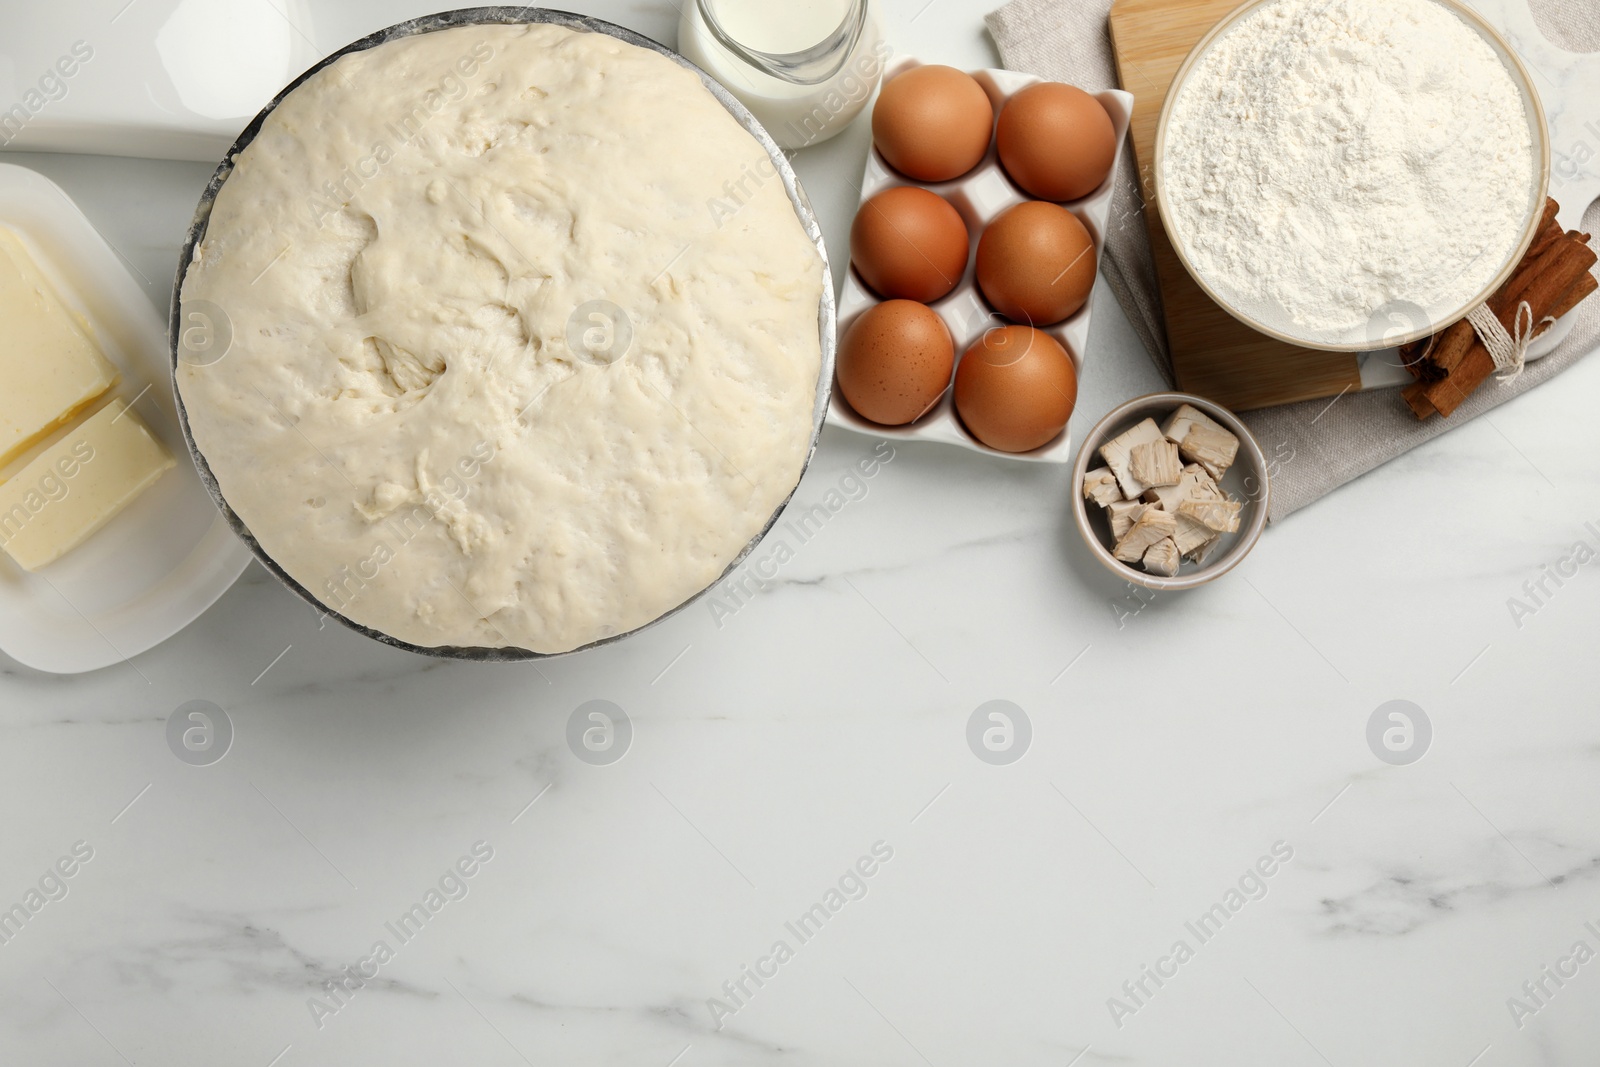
(1248, 480)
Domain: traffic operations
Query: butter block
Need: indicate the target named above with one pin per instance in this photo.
(77, 485)
(50, 368)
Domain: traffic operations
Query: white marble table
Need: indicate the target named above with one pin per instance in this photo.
(826, 720)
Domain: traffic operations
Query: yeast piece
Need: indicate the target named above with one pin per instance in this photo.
(1118, 454)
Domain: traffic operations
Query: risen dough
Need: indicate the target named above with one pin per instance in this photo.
(401, 421)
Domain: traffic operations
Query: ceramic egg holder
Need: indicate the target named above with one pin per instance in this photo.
(981, 196)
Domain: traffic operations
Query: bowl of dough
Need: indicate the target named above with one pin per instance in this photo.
(1349, 175)
(477, 359)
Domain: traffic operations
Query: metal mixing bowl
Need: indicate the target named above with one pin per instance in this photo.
(480, 16)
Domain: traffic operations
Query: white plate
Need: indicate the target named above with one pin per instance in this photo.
(154, 568)
(980, 197)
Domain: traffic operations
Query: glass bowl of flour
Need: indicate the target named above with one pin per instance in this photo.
(1349, 175)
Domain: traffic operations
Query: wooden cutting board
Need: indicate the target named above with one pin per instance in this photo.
(1213, 353)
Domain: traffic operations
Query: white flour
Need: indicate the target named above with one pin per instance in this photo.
(1329, 157)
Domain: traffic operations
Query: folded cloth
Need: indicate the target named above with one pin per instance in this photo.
(1332, 442)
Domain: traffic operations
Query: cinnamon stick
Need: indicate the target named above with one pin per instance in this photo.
(1416, 396)
(1548, 233)
(1554, 276)
(1459, 340)
(1432, 359)
(1559, 271)
(1581, 291)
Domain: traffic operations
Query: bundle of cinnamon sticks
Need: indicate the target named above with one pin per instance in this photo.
(1552, 279)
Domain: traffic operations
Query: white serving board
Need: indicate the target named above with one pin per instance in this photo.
(980, 197)
(155, 567)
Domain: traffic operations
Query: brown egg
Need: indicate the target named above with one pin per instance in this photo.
(910, 244)
(894, 362)
(1016, 388)
(1036, 264)
(1056, 141)
(933, 123)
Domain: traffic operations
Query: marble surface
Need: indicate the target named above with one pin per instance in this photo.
(774, 745)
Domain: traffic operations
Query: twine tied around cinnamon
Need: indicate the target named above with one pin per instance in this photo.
(1554, 276)
(1509, 351)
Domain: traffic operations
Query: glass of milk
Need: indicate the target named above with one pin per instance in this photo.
(804, 68)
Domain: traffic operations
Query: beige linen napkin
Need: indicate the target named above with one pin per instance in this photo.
(1068, 40)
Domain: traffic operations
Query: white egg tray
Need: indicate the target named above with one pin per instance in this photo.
(981, 196)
